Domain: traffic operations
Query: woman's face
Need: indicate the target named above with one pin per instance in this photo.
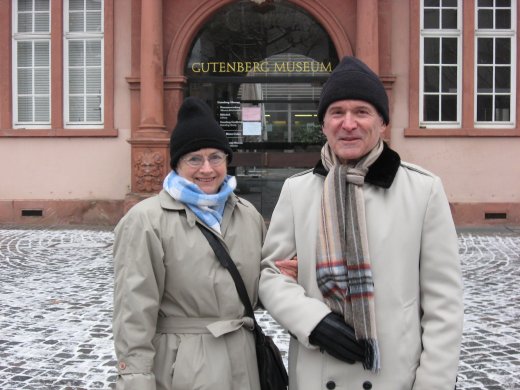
(206, 167)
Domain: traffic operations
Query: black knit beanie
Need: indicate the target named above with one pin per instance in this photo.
(196, 129)
(352, 79)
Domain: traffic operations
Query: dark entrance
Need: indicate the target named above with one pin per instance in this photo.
(261, 68)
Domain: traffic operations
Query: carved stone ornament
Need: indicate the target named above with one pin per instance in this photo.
(149, 171)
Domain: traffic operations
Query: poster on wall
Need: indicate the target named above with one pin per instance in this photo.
(229, 120)
(239, 121)
(251, 120)
(252, 113)
(252, 128)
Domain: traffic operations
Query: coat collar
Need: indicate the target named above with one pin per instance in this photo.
(381, 173)
(168, 203)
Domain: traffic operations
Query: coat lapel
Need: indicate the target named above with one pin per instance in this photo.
(381, 173)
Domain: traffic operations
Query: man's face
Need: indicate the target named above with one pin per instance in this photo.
(352, 128)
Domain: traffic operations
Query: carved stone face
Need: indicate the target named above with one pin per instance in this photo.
(149, 171)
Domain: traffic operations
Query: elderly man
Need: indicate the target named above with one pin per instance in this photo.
(378, 298)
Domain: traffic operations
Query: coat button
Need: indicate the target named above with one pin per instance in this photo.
(331, 385)
(367, 385)
(122, 365)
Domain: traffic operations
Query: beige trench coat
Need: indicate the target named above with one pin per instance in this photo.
(418, 293)
(178, 321)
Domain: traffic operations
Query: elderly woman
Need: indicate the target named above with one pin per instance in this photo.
(178, 321)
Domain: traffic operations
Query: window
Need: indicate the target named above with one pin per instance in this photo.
(61, 82)
(84, 62)
(495, 51)
(440, 63)
(31, 54)
(463, 82)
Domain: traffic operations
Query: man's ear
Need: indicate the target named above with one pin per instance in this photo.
(383, 125)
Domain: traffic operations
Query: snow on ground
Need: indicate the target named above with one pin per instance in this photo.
(56, 307)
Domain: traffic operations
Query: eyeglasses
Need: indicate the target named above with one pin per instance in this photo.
(196, 160)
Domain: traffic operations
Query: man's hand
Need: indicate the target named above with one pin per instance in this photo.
(338, 339)
(288, 267)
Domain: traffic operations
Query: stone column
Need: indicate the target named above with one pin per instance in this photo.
(152, 70)
(367, 33)
(150, 157)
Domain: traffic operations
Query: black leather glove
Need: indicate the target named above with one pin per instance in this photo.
(338, 339)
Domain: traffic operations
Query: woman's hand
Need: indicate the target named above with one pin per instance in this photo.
(288, 267)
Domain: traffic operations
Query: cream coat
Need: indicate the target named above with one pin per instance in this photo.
(178, 321)
(418, 293)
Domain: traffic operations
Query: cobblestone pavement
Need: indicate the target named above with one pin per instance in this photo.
(56, 304)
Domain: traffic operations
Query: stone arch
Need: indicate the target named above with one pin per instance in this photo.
(181, 44)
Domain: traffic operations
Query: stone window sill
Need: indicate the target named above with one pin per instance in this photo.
(69, 133)
(462, 132)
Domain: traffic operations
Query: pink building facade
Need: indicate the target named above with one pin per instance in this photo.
(89, 92)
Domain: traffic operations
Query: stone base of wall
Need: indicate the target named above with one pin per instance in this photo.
(109, 212)
(133, 198)
(50, 213)
(486, 214)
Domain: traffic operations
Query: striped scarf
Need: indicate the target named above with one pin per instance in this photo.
(209, 208)
(343, 269)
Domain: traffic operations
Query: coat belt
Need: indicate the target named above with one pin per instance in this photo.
(216, 326)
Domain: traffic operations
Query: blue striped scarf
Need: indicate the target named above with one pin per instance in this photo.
(209, 208)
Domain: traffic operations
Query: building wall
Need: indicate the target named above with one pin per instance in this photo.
(480, 174)
(73, 180)
(85, 168)
(85, 180)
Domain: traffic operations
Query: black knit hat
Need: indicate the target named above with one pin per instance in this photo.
(196, 129)
(352, 79)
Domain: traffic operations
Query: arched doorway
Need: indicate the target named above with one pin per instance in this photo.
(261, 68)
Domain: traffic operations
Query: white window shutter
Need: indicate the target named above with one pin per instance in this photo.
(32, 63)
(84, 63)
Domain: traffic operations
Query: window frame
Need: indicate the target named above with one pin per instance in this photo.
(494, 33)
(441, 34)
(468, 126)
(32, 37)
(79, 36)
(57, 127)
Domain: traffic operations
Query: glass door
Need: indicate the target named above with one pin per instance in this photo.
(261, 68)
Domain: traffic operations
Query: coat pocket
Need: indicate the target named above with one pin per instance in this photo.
(166, 349)
(411, 335)
(202, 362)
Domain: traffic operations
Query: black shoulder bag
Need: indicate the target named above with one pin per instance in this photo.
(271, 369)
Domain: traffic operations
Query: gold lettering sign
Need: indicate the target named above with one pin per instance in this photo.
(262, 67)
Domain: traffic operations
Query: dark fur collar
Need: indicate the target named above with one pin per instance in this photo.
(381, 173)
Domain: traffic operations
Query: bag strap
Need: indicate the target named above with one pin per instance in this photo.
(227, 262)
